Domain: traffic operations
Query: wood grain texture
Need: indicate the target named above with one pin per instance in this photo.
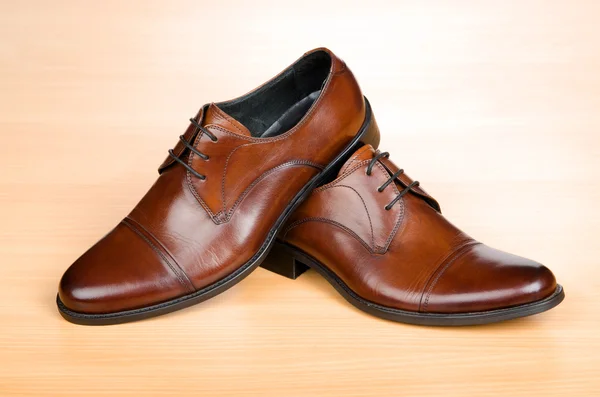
(493, 106)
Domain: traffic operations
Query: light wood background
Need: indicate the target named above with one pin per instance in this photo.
(493, 106)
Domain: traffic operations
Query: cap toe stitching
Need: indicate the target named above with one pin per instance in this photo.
(458, 252)
(175, 268)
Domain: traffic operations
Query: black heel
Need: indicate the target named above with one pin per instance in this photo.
(281, 261)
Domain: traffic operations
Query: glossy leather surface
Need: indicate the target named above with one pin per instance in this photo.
(187, 233)
(410, 257)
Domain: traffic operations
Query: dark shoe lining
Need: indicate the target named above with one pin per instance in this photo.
(280, 104)
(292, 116)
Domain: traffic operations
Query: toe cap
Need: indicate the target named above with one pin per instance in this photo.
(482, 278)
(120, 272)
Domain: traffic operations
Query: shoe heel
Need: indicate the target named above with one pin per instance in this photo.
(281, 261)
(371, 135)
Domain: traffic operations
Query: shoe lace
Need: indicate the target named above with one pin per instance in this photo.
(390, 180)
(201, 130)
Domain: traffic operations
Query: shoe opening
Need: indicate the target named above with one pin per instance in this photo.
(279, 105)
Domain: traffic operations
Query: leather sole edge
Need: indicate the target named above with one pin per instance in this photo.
(410, 317)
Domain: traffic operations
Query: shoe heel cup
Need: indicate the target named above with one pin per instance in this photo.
(371, 135)
(281, 261)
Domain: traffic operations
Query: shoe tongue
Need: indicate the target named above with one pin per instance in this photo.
(364, 153)
(217, 117)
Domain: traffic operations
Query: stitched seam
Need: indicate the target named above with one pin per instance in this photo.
(191, 186)
(401, 212)
(331, 222)
(343, 69)
(458, 252)
(214, 216)
(177, 274)
(368, 215)
(218, 127)
(225, 117)
(163, 249)
(396, 226)
(455, 247)
(192, 189)
(341, 177)
(455, 243)
(292, 163)
(376, 248)
(354, 158)
(399, 227)
(223, 197)
(250, 139)
(269, 172)
(225, 174)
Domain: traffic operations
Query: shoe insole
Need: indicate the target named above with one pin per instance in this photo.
(291, 116)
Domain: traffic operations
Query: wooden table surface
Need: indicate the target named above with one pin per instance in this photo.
(493, 106)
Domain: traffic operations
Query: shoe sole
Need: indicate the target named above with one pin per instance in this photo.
(235, 277)
(291, 262)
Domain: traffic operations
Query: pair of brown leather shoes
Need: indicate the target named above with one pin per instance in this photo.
(288, 176)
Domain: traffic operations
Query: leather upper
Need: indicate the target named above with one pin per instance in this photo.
(187, 233)
(409, 257)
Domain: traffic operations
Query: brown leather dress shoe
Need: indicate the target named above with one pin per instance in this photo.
(383, 243)
(222, 195)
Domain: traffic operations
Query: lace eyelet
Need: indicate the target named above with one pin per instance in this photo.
(188, 144)
(394, 177)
